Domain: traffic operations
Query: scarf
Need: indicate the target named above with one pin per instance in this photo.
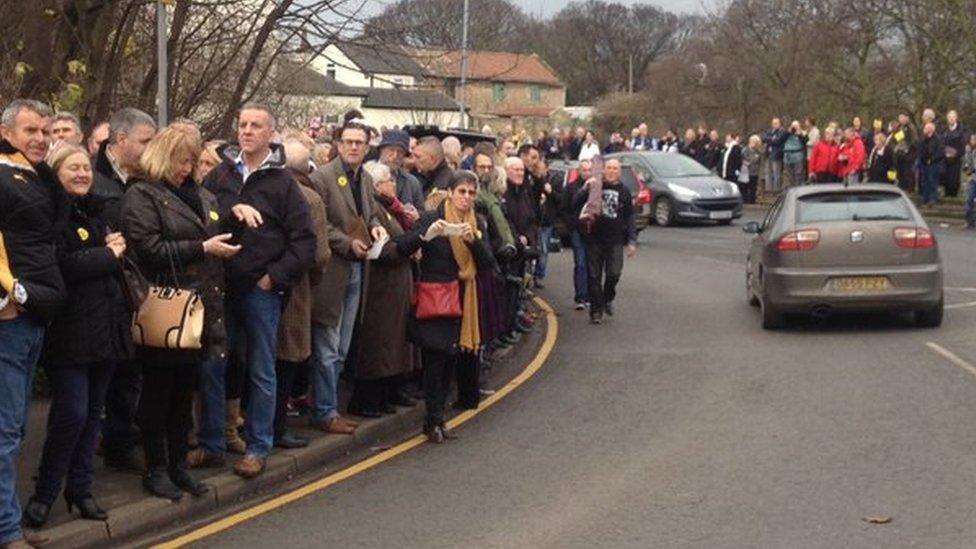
(467, 273)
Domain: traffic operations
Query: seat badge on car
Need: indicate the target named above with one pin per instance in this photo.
(857, 236)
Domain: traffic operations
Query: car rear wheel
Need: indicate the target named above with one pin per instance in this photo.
(663, 211)
(930, 318)
(750, 295)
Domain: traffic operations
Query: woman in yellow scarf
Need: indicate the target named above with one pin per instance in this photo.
(446, 324)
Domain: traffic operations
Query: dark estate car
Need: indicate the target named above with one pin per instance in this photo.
(466, 137)
(826, 248)
(683, 189)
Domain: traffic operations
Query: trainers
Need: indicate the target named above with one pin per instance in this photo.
(596, 318)
(201, 459)
(251, 466)
(608, 309)
(580, 306)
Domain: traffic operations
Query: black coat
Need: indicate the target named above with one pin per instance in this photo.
(956, 138)
(440, 178)
(158, 226)
(108, 187)
(283, 247)
(879, 164)
(95, 325)
(931, 151)
(437, 264)
(522, 210)
(731, 163)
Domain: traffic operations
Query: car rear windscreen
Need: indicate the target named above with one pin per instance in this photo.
(852, 206)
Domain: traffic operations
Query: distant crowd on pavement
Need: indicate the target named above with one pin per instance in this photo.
(323, 256)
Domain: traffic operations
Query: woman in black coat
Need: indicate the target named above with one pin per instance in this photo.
(174, 230)
(83, 344)
(881, 161)
(450, 343)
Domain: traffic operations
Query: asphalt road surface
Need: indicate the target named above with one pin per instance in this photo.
(681, 423)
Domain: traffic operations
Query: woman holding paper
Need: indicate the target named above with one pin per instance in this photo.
(384, 355)
(445, 323)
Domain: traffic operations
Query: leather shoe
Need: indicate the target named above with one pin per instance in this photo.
(251, 466)
(608, 309)
(158, 483)
(88, 508)
(201, 459)
(434, 435)
(35, 514)
(289, 441)
(447, 433)
(188, 484)
(337, 426)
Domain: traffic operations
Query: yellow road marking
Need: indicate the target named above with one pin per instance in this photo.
(951, 357)
(252, 512)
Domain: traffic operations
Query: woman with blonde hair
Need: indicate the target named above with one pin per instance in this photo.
(749, 173)
(179, 240)
(83, 344)
(209, 159)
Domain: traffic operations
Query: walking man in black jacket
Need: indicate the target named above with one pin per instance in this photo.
(612, 231)
(277, 249)
(31, 287)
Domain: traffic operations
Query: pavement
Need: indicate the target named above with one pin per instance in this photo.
(681, 423)
(135, 518)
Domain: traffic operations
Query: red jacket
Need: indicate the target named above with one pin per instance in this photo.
(855, 158)
(823, 158)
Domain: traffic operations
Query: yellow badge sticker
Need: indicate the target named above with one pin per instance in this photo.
(343, 181)
(83, 234)
(214, 216)
(899, 136)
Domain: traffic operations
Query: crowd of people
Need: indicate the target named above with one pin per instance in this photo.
(930, 161)
(396, 265)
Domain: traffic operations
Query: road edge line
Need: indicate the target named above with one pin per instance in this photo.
(951, 357)
(228, 522)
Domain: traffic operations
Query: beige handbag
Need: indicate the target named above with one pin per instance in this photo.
(169, 318)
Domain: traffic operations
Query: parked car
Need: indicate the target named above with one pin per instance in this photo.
(827, 248)
(683, 190)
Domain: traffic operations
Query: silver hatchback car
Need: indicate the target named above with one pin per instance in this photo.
(827, 248)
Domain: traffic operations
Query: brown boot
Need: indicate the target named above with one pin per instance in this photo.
(251, 466)
(235, 444)
(201, 459)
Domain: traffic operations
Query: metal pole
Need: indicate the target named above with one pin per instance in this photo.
(162, 81)
(464, 64)
(630, 74)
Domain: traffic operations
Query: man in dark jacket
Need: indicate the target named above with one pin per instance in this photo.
(547, 199)
(277, 249)
(129, 131)
(31, 287)
(432, 169)
(731, 159)
(931, 158)
(571, 217)
(613, 230)
(394, 148)
(775, 140)
(955, 137)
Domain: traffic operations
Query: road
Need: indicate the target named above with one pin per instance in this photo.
(680, 423)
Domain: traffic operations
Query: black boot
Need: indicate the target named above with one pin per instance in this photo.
(87, 507)
(35, 514)
(182, 479)
(158, 483)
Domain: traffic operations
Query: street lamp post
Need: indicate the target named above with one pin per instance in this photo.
(464, 63)
(162, 60)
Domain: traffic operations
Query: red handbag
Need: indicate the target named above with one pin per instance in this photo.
(438, 300)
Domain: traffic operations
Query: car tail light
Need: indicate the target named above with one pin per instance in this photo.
(799, 241)
(914, 237)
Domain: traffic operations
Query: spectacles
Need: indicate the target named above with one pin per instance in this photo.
(353, 143)
(469, 192)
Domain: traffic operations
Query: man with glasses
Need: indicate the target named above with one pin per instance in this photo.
(336, 302)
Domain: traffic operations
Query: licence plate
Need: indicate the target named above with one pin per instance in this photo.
(861, 284)
(720, 215)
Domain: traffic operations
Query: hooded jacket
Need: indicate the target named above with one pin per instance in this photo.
(283, 247)
(32, 209)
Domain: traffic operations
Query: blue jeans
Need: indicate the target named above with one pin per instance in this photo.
(930, 183)
(971, 203)
(545, 234)
(20, 347)
(330, 345)
(73, 424)
(255, 316)
(580, 277)
(213, 378)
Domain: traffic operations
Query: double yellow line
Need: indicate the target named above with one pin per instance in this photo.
(280, 501)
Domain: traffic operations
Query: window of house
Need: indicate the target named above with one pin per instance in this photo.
(499, 91)
(535, 93)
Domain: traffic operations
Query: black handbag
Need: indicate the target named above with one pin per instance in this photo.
(134, 284)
